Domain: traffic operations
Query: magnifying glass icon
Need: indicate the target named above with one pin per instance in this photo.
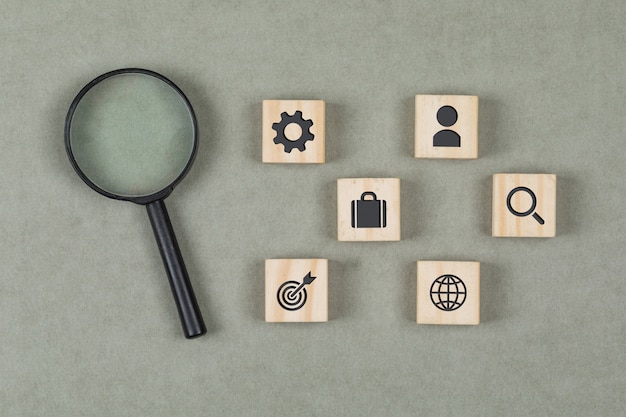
(131, 134)
(532, 206)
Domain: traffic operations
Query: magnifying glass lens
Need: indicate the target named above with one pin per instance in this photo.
(132, 135)
(521, 202)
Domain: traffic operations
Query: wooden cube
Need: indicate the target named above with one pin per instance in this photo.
(368, 209)
(296, 290)
(524, 205)
(293, 131)
(448, 292)
(446, 127)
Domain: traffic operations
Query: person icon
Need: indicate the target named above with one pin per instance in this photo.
(447, 116)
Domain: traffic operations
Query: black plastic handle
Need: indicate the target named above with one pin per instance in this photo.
(371, 194)
(188, 309)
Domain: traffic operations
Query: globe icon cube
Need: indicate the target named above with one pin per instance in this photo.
(448, 292)
(296, 290)
(293, 131)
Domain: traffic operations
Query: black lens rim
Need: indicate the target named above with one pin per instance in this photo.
(528, 191)
(159, 195)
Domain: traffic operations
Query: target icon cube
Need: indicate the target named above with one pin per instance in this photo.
(524, 205)
(293, 131)
(448, 292)
(296, 290)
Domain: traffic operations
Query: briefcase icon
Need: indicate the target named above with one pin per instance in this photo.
(369, 213)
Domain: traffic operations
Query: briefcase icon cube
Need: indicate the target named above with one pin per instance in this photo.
(369, 212)
(368, 209)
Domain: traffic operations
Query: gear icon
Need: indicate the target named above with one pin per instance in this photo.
(305, 126)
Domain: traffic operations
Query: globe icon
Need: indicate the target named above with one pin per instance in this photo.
(448, 292)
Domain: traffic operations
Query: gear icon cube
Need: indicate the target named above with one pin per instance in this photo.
(293, 131)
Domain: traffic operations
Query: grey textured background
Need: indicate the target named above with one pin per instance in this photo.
(88, 325)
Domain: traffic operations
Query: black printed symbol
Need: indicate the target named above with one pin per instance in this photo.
(369, 212)
(532, 206)
(447, 116)
(292, 294)
(285, 135)
(448, 292)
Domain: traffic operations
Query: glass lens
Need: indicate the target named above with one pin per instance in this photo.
(132, 135)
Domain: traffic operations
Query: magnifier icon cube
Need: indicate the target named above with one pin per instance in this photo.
(524, 205)
(296, 290)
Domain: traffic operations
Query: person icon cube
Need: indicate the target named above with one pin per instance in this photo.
(446, 126)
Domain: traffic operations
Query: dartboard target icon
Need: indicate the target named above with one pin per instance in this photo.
(291, 295)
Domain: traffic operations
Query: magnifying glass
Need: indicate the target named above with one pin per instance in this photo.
(532, 206)
(131, 134)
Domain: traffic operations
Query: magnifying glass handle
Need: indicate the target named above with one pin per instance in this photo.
(538, 218)
(188, 309)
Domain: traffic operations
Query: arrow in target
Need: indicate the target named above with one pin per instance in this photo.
(305, 281)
